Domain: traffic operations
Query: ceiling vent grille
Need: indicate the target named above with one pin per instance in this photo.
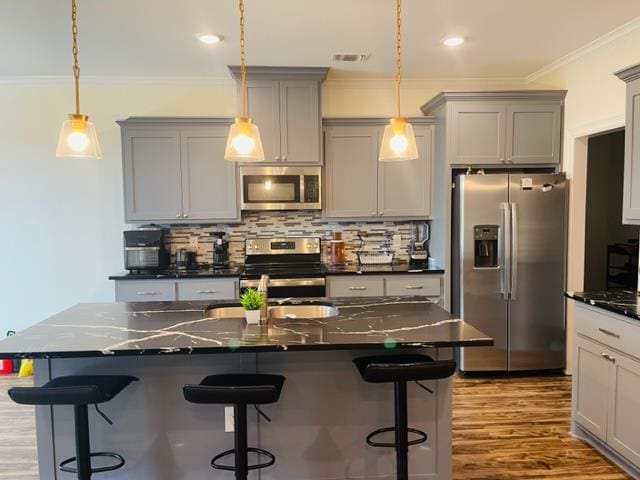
(350, 57)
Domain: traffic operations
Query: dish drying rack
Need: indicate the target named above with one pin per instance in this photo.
(380, 255)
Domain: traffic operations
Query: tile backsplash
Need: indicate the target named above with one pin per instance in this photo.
(294, 224)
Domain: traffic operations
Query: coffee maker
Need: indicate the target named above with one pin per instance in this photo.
(220, 250)
(419, 247)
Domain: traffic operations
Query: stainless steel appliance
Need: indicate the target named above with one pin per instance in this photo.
(220, 250)
(419, 247)
(185, 259)
(144, 249)
(281, 188)
(508, 265)
(293, 264)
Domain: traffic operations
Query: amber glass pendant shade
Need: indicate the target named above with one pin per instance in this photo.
(244, 143)
(398, 142)
(78, 138)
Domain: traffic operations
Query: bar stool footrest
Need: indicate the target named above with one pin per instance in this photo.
(65, 468)
(231, 468)
(422, 437)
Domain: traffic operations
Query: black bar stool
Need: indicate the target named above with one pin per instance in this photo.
(238, 390)
(400, 369)
(79, 391)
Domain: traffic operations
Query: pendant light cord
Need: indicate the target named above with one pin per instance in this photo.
(243, 68)
(398, 52)
(76, 67)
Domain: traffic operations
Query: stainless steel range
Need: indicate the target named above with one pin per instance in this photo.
(293, 264)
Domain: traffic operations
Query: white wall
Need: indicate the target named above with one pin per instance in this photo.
(595, 103)
(63, 220)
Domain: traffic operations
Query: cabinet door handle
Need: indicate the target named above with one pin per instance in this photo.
(284, 158)
(357, 288)
(608, 332)
(608, 357)
(207, 291)
(414, 287)
(186, 215)
(147, 293)
(381, 213)
(502, 160)
(178, 215)
(374, 213)
(277, 159)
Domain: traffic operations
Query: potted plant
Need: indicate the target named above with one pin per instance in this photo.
(252, 301)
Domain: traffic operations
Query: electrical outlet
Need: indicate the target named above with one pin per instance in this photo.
(228, 419)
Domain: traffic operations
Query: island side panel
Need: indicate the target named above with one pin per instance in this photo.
(161, 436)
(319, 426)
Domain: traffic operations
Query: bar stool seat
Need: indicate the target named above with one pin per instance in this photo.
(78, 391)
(238, 390)
(400, 369)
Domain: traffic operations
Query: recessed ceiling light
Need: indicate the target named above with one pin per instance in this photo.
(453, 41)
(210, 38)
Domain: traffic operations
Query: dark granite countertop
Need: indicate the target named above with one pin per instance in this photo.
(623, 302)
(232, 271)
(106, 329)
(356, 269)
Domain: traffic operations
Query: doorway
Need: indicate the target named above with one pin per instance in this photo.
(611, 248)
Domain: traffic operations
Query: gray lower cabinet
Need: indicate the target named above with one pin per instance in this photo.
(285, 104)
(165, 290)
(357, 185)
(631, 194)
(502, 127)
(398, 285)
(174, 171)
(606, 380)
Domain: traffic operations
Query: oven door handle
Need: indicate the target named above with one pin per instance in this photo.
(286, 282)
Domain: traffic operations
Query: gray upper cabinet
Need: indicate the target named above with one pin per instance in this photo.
(533, 132)
(502, 127)
(175, 172)
(351, 154)
(631, 194)
(151, 166)
(478, 132)
(357, 185)
(285, 104)
(208, 180)
(404, 188)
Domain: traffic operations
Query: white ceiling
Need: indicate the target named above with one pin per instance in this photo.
(156, 38)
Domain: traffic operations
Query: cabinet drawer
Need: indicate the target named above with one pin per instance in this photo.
(607, 329)
(355, 286)
(207, 289)
(399, 285)
(145, 290)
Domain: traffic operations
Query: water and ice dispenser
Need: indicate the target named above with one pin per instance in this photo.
(485, 239)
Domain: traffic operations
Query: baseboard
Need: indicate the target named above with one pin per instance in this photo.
(579, 432)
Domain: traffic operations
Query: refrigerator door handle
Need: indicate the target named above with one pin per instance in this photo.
(514, 251)
(504, 249)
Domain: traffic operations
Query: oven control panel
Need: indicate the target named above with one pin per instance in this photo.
(283, 246)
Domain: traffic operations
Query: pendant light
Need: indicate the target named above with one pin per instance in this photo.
(78, 135)
(244, 143)
(398, 141)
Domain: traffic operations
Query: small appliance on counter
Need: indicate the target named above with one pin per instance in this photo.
(336, 252)
(185, 259)
(220, 250)
(419, 247)
(145, 250)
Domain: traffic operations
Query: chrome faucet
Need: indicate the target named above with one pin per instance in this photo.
(263, 288)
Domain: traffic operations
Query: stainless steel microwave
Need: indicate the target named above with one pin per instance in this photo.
(281, 188)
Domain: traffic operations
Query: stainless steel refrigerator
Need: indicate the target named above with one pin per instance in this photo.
(508, 269)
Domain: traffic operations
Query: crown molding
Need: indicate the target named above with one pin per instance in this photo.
(586, 49)
(359, 121)
(629, 74)
(259, 72)
(113, 80)
(427, 83)
(480, 95)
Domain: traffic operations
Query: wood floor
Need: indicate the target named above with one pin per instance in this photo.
(504, 429)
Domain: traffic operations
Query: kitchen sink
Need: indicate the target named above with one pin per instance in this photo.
(303, 311)
(278, 311)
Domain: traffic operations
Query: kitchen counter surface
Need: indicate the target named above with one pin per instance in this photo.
(150, 328)
(232, 271)
(625, 302)
(355, 269)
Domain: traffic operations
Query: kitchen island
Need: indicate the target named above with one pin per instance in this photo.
(321, 420)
